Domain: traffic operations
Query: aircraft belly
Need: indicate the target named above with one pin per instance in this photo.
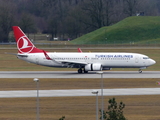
(50, 63)
(120, 64)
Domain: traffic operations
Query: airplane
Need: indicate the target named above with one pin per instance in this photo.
(83, 61)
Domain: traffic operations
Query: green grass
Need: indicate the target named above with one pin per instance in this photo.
(76, 83)
(130, 30)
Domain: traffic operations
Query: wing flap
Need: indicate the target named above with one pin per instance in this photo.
(72, 62)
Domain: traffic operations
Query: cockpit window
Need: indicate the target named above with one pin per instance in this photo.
(145, 57)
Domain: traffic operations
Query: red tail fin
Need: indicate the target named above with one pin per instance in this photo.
(24, 45)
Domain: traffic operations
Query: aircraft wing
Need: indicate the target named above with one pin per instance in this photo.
(72, 62)
(65, 62)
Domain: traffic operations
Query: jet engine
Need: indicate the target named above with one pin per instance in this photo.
(93, 67)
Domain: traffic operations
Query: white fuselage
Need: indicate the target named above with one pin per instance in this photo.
(75, 60)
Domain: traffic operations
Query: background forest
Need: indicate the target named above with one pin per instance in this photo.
(69, 18)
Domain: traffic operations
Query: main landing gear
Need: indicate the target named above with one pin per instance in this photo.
(80, 70)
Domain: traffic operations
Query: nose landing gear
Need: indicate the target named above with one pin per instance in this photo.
(140, 71)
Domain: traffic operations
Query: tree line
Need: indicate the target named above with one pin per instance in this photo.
(69, 18)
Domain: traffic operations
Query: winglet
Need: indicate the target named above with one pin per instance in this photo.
(46, 55)
(79, 50)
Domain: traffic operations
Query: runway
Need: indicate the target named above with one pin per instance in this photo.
(79, 92)
(74, 74)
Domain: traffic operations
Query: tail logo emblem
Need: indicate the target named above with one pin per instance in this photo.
(24, 45)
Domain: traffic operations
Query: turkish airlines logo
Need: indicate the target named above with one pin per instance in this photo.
(24, 45)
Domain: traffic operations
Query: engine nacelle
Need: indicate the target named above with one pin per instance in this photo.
(93, 67)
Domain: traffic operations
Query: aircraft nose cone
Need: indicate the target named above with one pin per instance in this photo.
(152, 62)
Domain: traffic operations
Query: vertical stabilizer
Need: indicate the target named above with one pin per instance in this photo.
(24, 45)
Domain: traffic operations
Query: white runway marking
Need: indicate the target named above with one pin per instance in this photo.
(79, 92)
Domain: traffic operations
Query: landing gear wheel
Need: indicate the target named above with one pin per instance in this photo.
(80, 70)
(140, 71)
(85, 71)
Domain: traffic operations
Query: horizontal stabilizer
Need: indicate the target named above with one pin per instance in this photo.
(20, 55)
(72, 62)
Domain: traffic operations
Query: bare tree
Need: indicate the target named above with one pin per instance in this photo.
(53, 27)
(94, 10)
(117, 11)
(49, 3)
(109, 11)
(6, 19)
(130, 7)
(97, 13)
(69, 18)
(149, 7)
(27, 23)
